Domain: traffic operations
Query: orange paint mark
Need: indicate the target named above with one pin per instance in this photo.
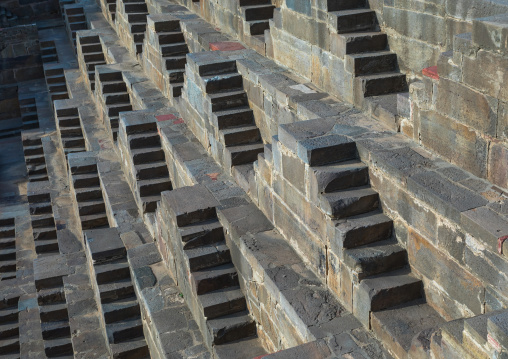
(213, 176)
(431, 72)
(168, 117)
(226, 46)
(176, 122)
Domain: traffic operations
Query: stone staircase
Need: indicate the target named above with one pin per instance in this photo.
(69, 130)
(86, 189)
(55, 81)
(7, 250)
(9, 329)
(34, 157)
(141, 149)
(114, 292)
(131, 23)
(42, 218)
(364, 49)
(75, 20)
(48, 51)
(111, 98)
(29, 117)
(164, 54)
(56, 331)
(227, 105)
(256, 15)
(206, 274)
(90, 54)
(386, 296)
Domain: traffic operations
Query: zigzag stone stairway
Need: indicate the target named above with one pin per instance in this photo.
(233, 235)
(9, 329)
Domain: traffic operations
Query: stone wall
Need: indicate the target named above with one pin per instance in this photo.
(26, 11)
(461, 113)
(20, 54)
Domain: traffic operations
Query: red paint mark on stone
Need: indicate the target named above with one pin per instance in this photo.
(494, 343)
(213, 176)
(176, 122)
(161, 118)
(500, 242)
(431, 72)
(226, 46)
(103, 144)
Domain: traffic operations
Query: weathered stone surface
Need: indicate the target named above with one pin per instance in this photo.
(104, 244)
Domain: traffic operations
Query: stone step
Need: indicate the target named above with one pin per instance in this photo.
(53, 312)
(59, 96)
(68, 121)
(91, 207)
(151, 170)
(111, 292)
(51, 296)
(147, 155)
(131, 349)
(208, 256)
(222, 82)
(231, 327)
(397, 327)
(241, 116)
(41, 233)
(88, 194)
(37, 170)
(257, 12)
(58, 347)
(352, 20)
(338, 176)
(91, 48)
(125, 330)
(363, 229)
(7, 232)
(137, 17)
(35, 159)
(380, 84)
(54, 330)
(240, 136)
(143, 140)
(46, 246)
(7, 243)
(10, 345)
(243, 154)
(497, 329)
(175, 62)
(358, 42)
(175, 89)
(57, 88)
(176, 76)
(121, 309)
(174, 49)
(217, 68)
(73, 142)
(371, 63)
(8, 268)
(114, 110)
(112, 271)
(258, 27)
(211, 279)
(8, 254)
(94, 221)
(386, 291)
(38, 178)
(40, 208)
(253, 2)
(33, 150)
(137, 27)
(350, 202)
(9, 315)
(85, 180)
(113, 86)
(170, 37)
(71, 131)
(201, 234)
(93, 56)
(376, 258)
(153, 187)
(116, 98)
(9, 330)
(43, 221)
(228, 99)
(222, 302)
(149, 203)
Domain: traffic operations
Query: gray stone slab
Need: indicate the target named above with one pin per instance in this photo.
(104, 244)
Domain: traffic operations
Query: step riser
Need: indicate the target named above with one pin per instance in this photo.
(263, 13)
(113, 276)
(153, 172)
(346, 209)
(244, 157)
(214, 85)
(236, 120)
(355, 23)
(220, 282)
(56, 333)
(376, 87)
(371, 65)
(92, 209)
(166, 39)
(225, 103)
(222, 309)
(126, 334)
(235, 333)
(242, 138)
(148, 157)
(209, 261)
(122, 314)
(111, 296)
(201, 239)
(94, 223)
(154, 189)
(148, 141)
